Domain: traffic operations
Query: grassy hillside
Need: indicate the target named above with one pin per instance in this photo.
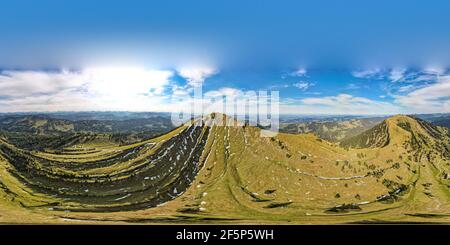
(206, 172)
(377, 136)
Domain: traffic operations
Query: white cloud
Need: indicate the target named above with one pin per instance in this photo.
(277, 86)
(26, 83)
(300, 72)
(331, 100)
(433, 69)
(226, 91)
(397, 74)
(196, 76)
(340, 104)
(401, 74)
(303, 85)
(415, 77)
(118, 88)
(126, 81)
(313, 93)
(433, 98)
(367, 73)
(352, 86)
(406, 88)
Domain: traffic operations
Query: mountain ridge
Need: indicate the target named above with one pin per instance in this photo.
(208, 170)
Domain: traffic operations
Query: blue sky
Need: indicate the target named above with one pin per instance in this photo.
(325, 57)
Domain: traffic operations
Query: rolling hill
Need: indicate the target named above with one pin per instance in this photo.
(52, 125)
(202, 171)
(40, 131)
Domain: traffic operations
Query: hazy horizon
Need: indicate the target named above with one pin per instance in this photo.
(166, 112)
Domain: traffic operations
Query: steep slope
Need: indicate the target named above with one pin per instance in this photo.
(377, 136)
(205, 171)
(413, 132)
(136, 176)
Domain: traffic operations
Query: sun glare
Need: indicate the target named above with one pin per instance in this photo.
(126, 81)
(125, 87)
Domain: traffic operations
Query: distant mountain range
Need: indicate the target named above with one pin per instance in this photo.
(440, 119)
(128, 127)
(47, 130)
(90, 115)
(341, 128)
(56, 124)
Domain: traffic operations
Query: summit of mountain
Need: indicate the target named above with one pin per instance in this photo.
(399, 129)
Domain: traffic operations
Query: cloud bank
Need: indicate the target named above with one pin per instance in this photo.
(424, 90)
(134, 89)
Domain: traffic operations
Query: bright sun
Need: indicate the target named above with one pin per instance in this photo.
(125, 87)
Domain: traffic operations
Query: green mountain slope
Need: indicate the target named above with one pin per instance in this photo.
(207, 172)
(377, 136)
